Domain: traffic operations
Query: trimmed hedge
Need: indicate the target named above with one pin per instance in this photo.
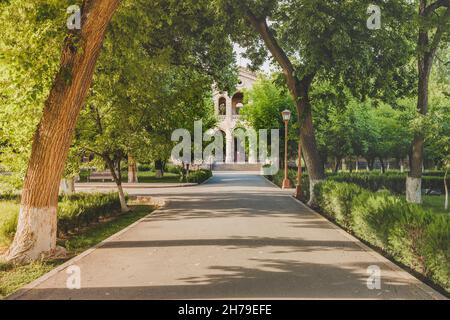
(198, 176)
(82, 209)
(395, 182)
(413, 236)
(74, 212)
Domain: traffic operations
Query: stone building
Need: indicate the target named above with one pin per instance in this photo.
(227, 109)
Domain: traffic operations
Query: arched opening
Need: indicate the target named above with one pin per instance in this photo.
(238, 99)
(222, 106)
(240, 145)
(224, 146)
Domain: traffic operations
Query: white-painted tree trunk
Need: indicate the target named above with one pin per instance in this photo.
(312, 197)
(37, 230)
(123, 201)
(414, 190)
(402, 167)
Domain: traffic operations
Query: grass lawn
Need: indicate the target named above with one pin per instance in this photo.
(435, 204)
(144, 177)
(13, 277)
(149, 177)
(8, 213)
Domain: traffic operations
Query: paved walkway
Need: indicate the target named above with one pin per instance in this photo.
(236, 236)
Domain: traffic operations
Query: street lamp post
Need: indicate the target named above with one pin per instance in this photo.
(298, 188)
(286, 117)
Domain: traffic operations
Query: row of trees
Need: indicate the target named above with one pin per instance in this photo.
(312, 43)
(351, 129)
(154, 74)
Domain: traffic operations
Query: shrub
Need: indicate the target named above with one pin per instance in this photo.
(410, 234)
(407, 237)
(173, 169)
(392, 181)
(337, 200)
(198, 176)
(74, 211)
(8, 221)
(437, 250)
(80, 210)
(143, 167)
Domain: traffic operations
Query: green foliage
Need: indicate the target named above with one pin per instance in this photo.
(373, 181)
(198, 176)
(410, 234)
(394, 182)
(13, 277)
(8, 221)
(145, 167)
(74, 212)
(31, 39)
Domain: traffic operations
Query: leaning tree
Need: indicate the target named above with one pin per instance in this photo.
(36, 229)
(176, 27)
(314, 41)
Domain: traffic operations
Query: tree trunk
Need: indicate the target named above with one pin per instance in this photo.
(337, 163)
(299, 90)
(118, 181)
(132, 170)
(36, 229)
(426, 52)
(159, 172)
(446, 189)
(383, 166)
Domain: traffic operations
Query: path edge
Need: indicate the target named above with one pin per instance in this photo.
(434, 294)
(28, 287)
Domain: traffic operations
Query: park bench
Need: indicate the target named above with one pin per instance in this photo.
(104, 175)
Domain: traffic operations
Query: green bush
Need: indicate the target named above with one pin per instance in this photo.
(74, 211)
(8, 221)
(292, 176)
(407, 237)
(437, 249)
(173, 169)
(81, 209)
(410, 234)
(145, 167)
(198, 176)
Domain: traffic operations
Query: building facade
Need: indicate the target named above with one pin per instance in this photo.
(227, 109)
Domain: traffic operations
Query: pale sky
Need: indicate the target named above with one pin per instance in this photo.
(266, 68)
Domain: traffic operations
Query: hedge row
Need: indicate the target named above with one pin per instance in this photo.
(374, 181)
(411, 235)
(82, 209)
(393, 182)
(74, 212)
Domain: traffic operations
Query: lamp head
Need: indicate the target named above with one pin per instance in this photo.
(286, 115)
